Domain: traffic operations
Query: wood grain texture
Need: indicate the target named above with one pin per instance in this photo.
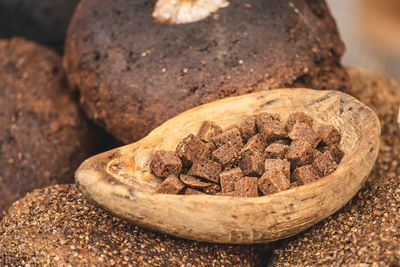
(121, 182)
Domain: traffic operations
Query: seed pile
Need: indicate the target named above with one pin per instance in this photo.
(58, 226)
(261, 156)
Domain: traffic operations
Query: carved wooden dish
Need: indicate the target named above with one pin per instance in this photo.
(121, 182)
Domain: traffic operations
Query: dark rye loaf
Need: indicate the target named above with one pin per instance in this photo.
(133, 74)
(43, 136)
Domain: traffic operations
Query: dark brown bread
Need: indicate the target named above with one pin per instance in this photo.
(276, 151)
(324, 164)
(226, 153)
(270, 127)
(134, 74)
(208, 130)
(252, 164)
(228, 178)
(193, 181)
(254, 145)
(297, 117)
(335, 152)
(171, 185)
(329, 134)
(301, 131)
(273, 181)
(248, 127)
(190, 149)
(43, 137)
(165, 163)
(304, 174)
(294, 157)
(206, 169)
(281, 164)
(246, 187)
(300, 153)
(231, 135)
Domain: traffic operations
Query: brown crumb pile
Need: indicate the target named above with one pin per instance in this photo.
(57, 226)
(366, 230)
(261, 156)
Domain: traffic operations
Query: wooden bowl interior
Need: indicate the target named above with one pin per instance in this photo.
(132, 167)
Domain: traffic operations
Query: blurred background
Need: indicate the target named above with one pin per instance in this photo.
(369, 28)
(44, 21)
(371, 32)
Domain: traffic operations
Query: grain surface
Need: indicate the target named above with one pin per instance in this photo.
(57, 226)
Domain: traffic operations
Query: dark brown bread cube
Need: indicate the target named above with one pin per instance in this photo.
(246, 187)
(225, 153)
(335, 151)
(193, 182)
(329, 134)
(190, 149)
(190, 191)
(208, 130)
(265, 118)
(305, 174)
(228, 179)
(300, 153)
(273, 181)
(230, 135)
(208, 149)
(303, 132)
(270, 126)
(212, 189)
(254, 145)
(248, 127)
(252, 164)
(324, 164)
(298, 117)
(206, 169)
(165, 163)
(276, 151)
(171, 185)
(280, 164)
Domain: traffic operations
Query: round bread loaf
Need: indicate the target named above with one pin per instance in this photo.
(133, 73)
(57, 226)
(43, 136)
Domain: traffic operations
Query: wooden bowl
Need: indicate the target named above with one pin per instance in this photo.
(120, 180)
